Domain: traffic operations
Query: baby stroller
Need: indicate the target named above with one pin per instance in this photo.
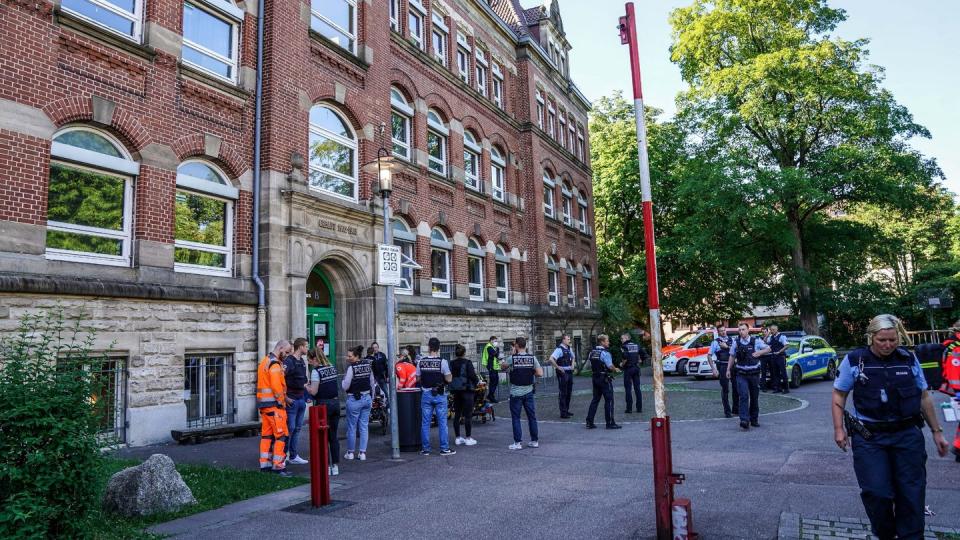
(380, 412)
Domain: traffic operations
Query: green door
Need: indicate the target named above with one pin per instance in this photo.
(320, 314)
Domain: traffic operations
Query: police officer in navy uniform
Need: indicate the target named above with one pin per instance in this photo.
(632, 354)
(433, 374)
(890, 400)
(777, 342)
(562, 361)
(601, 364)
(719, 358)
(745, 361)
(326, 391)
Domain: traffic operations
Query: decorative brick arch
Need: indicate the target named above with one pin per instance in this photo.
(436, 101)
(474, 125)
(402, 80)
(194, 145)
(549, 164)
(410, 216)
(80, 109)
(496, 139)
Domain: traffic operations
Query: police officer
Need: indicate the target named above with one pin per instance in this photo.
(891, 402)
(778, 361)
(433, 373)
(381, 367)
(601, 364)
(325, 391)
(719, 358)
(633, 355)
(490, 356)
(765, 362)
(524, 367)
(562, 361)
(745, 361)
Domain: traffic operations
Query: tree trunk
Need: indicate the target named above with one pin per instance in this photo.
(806, 305)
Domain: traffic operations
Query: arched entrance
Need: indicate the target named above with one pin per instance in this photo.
(321, 312)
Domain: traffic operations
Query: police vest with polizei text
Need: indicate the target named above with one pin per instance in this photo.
(746, 363)
(431, 372)
(887, 390)
(723, 355)
(631, 354)
(776, 346)
(522, 369)
(328, 383)
(566, 357)
(597, 365)
(361, 377)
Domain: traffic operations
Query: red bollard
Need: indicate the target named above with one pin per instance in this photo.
(319, 452)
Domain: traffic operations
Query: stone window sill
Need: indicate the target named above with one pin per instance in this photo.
(92, 31)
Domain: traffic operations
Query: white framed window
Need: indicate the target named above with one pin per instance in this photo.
(89, 198)
(211, 30)
(400, 115)
(567, 204)
(406, 240)
(440, 36)
(498, 168)
(122, 17)
(580, 144)
(395, 15)
(497, 85)
(481, 72)
(553, 291)
(463, 65)
(203, 224)
(415, 25)
(551, 120)
(333, 154)
(437, 133)
(539, 109)
(573, 135)
(571, 286)
(440, 249)
(548, 185)
(476, 258)
(587, 289)
(471, 161)
(562, 132)
(336, 20)
(582, 203)
(502, 275)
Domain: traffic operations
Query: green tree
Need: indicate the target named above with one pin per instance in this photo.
(803, 125)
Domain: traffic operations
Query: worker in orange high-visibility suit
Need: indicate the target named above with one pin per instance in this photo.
(406, 373)
(951, 377)
(271, 402)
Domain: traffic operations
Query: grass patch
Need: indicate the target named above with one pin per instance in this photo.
(212, 487)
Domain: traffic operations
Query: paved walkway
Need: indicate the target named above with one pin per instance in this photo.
(826, 527)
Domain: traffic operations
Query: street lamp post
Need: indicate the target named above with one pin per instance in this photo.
(385, 177)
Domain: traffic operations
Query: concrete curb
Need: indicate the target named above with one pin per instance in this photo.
(829, 527)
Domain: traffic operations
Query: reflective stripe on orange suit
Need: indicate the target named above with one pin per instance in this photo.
(271, 401)
(406, 375)
(951, 367)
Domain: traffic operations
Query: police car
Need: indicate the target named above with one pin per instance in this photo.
(809, 357)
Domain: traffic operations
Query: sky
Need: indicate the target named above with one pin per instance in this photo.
(915, 42)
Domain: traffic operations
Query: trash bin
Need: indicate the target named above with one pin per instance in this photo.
(408, 419)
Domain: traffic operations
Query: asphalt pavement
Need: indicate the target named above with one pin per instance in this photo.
(580, 483)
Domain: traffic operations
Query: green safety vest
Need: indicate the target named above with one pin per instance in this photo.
(486, 354)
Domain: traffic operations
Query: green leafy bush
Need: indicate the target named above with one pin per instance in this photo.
(49, 422)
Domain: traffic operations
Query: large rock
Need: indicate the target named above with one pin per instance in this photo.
(151, 487)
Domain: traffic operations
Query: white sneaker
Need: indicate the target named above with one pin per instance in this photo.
(299, 461)
(362, 456)
(470, 441)
(515, 446)
(534, 444)
(334, 471)
(348, 455)
(459, 441)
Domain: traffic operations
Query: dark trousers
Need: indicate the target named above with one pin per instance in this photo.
(631, 378)
(726, 384)
(494, 380)
(462, 408)
(778, 373)
(601, 388)
(565, 382)
(333, 420)
(891, 471)
(765, 371)
(527, 403)
(748, 385)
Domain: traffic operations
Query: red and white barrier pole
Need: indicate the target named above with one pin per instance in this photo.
(663, 476)
(319, 452)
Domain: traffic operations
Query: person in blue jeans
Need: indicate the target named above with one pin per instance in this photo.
(295, 373)
(358, 383)
(433, 373)
(523, 367)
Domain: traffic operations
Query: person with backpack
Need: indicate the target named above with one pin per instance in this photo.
(324, 389)
(463, 385)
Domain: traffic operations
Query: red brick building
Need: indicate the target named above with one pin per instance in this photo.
(127, 163)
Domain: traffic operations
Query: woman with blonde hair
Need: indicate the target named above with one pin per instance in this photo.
(890, 404)
(325, 391)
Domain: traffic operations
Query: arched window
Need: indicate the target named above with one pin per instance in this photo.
(333, 154)
(582, 220)
(503, 275)
(400, 123)
(571, 285)
(440, 249)
(587, 289)
(553, 287)
(336, 20)
(203, 219)
(475, 263)
(437, 133)
(89, 198)
(567, 204)
(471, 161)
(498, 174)
(211, 30)
(406, 240)
(548, 186)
